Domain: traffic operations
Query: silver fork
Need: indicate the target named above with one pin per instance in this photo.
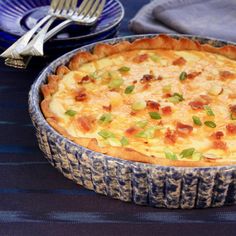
(87, 14)
(35, 47)
(14, 50)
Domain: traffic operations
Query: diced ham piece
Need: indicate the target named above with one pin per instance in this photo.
(233, 108)
(192, 75)
(141, 58)
(107, 108)
(231, 129)
(217, 135)
(219, 144)
(152, 105)
(184, 129)
(200, 102)
(85, 123)
(179, 62)
(131, 131)
(86, 79)
(170, 136)
(81, 95)
(224, 75)
(146, 79)
(166, 110)
(196, 105)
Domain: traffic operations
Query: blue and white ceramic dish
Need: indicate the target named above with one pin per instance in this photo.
(144, 184)
(22, 15)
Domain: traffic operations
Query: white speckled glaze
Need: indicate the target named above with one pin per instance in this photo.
(144, 184)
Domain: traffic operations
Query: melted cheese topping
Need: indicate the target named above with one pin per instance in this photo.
(150, 136)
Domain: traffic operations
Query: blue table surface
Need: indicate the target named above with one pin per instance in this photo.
(35, 199)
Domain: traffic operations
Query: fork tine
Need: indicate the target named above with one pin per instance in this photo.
(93, 9)
(60, 6)
(100, 9)
(93, 17)
(67, 5)
(86, 10)
(53, 4)
(82, 6)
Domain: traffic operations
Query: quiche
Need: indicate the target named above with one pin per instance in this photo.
(158, 100)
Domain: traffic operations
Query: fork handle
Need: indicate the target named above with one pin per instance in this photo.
(35, 47)
(14, 50)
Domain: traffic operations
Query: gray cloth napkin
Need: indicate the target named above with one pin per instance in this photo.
(212, 18)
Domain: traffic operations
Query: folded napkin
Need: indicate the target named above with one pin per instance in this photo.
(212, 18)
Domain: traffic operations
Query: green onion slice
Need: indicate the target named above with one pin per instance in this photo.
(124, 69)
(137, 106)
(129, 89)
(105, 118)
(176, 98)
(124, 141)
(115, 83)
(209, 111)
(114, 142)
(210, 124)
(196, 120)
(170, 155)
(147, 133)
(106, 134)
(155, 115)
(187, 152)
(233, 116)
(142, 123)
(183, 76)
(70, 112)
(154, 57)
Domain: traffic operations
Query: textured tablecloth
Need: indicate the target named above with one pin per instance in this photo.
(35, 199)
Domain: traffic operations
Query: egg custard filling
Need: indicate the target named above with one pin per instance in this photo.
(162, 101)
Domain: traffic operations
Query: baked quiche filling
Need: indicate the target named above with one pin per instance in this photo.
(168, 106)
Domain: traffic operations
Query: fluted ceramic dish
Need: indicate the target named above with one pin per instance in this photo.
(144, 184)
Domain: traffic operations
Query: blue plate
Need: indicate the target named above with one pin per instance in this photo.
(22, 15)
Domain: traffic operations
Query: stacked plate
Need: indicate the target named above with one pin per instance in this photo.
(18, 16)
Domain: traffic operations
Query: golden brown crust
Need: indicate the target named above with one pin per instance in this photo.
(103, 50)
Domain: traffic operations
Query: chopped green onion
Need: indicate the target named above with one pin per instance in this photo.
(70, 112)
(106, 134)
(147, 133)
(154, 57)
(114, 75)
(166, 88)
(137, 106)
(142, 123)
(180, 96)
(233, 116)
(105, 118)
(115, 83)
(197, 156)
(183, 76)
(196, 120)
(187, 152)
(210, 124)
(94, 75)
(129, 89)
(155, 115)
(124, 69)
(114, 142)
(176, 98)
(124, 141)
(209, 111)
(170, 155)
